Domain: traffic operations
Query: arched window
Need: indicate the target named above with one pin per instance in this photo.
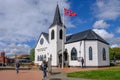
(37, 58)
(44, 56)
(60, 34)
(104, 54)
(90, 53)
(73, 54)
(52, 34)
(40, 57)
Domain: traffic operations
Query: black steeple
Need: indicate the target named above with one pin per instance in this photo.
(57, 18)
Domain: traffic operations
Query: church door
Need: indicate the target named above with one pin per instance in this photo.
(60, 60)
(66, 62)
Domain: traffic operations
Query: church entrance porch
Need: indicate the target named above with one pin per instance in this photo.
(65, 59)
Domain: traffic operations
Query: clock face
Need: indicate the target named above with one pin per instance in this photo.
(41, 41)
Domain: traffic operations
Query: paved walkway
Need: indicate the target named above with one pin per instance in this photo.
(57, 74)
(22, 75)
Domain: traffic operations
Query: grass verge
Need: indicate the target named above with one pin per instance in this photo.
(105, 74)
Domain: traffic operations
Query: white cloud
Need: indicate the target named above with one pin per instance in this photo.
(118, 30)
(104, 34)
(13, 49)
(24, 20)
(115, 45)
(107, 9)
(100, 24)
(109, 37)
(115, 41)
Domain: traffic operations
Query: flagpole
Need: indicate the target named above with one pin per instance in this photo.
(70, 13)
(63, 41)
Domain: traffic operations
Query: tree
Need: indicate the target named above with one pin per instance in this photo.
(32, 54)
(114, 53)
(111, 53)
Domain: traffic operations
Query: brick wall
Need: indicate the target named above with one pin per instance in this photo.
(2, 57)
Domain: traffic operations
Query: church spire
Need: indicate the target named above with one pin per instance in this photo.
(57, 18)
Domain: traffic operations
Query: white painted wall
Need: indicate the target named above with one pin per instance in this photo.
(82, 51)
(82, 48)
(39, 49)
(97, 47)
(94, 61)
(56, 43)
(102, 62)
(53, 46)
(69, 48)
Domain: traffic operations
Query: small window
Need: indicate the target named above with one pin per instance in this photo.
(90, 53)
(52, 34)
(104, 54)
(41, 41)
(73, 54)
(60, 34)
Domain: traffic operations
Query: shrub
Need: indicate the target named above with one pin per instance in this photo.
(112, 64)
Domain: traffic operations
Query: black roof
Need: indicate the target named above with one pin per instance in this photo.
(57, 18)
(85, 35)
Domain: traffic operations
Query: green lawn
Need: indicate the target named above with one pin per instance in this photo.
(105, 74)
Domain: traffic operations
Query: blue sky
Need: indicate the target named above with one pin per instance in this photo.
(103, 16)
(22, 21)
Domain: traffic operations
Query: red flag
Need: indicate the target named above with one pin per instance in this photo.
(69, 12)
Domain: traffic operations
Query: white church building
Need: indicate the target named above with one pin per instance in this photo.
(87, 45)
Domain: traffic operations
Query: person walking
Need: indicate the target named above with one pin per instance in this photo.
(17, 67)
(82, 62)
(44, 68)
